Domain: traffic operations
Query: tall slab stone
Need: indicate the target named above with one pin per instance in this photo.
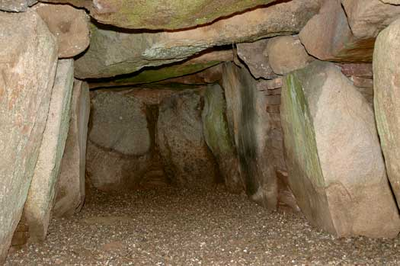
(188, 162)
(218, 138)
(28, 58)
(386, 100)
(250, 125)
(336, 169)
(70, 191)
(41, 194)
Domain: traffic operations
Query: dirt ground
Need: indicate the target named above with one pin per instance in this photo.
(168, 226)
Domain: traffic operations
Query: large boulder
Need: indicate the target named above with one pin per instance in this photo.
(328, 35)
(286, 54)
(368, 18)
(114, 53)
(69, 25)
(41, 194)
(172, 14)
(218, 138)
(250, 125)
(16, 5)
(70, 190)
(179, 69)
(119, 140)
(28, 53)
(187, 160)
(336, 169)
(387, 93)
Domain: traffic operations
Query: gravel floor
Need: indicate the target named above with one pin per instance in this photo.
(174, 227)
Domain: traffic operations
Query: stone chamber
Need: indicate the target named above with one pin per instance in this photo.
(199, 132)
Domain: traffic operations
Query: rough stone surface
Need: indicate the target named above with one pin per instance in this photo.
(114, 53)
(137, 14)
(70, 190)
(119, 140)
(188, 161)
(69, 25)
(193, 65)
(387, 109)
(254, 56)
(41, 194)
(249, 124)
(336, 169)
(286, 54)
(28, 55)
(392, 2)
(16, 5)
(328, 36)
(368, 18)
(218, 138)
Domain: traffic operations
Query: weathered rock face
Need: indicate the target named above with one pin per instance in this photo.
(28, 55)
(16, 5)
(70, 189)
(287, 54)
(193, 65)
(368, 18)
(114, 53)
(187, 160)
(218, 138)
(328, 35)
(392, 2)
(249, 124)
(41, 194)
(119, 141)
(338, 179)
(138, 14)
(69, 25)
(256, 58)
(387, 109)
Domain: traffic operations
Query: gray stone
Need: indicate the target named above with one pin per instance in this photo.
(187, 160)
(16, 5)
(336, 168)
(114, 53)
(119, 140)
(387, 108)
(41, 194)
(218, 138)
(28, 55)
(249, 123)
(70, 190)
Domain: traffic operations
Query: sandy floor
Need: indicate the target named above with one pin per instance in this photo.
(174, 227)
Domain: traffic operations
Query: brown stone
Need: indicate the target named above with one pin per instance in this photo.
(70, 189)
(286, 54)
(28, 53)
(69, 25)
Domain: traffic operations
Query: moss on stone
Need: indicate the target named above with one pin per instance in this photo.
(176, 14)
(214, 122)
(303, 140)
(154, 75)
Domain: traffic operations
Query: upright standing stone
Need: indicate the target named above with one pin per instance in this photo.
(336, 169)
(70, 191)
(28, 57)
(249, 124)
(218, 138)
(187, 160)
(387, 100)
(119, 142)
(41, 194)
